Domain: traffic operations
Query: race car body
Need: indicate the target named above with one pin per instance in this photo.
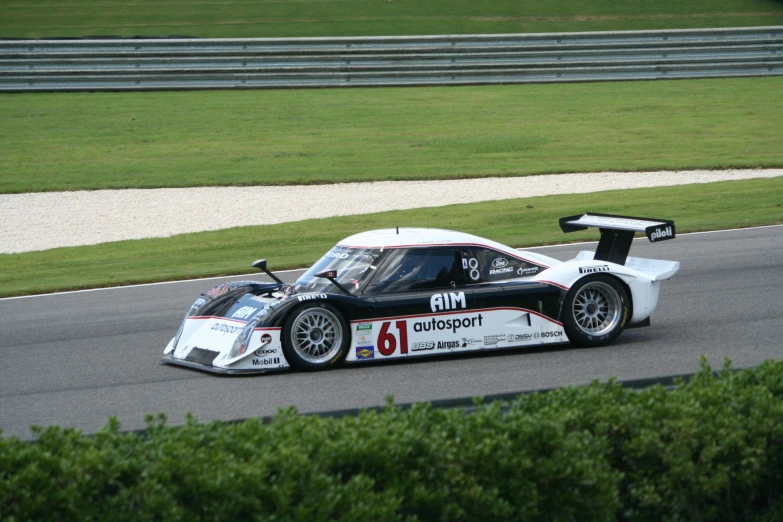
(411, 292)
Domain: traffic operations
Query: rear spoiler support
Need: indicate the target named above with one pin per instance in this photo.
(617, 232)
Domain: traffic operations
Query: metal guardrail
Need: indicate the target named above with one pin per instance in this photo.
(252, 63)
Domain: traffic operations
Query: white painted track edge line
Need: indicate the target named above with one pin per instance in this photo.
(298, 269)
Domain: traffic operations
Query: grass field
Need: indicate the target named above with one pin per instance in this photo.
(520, 222)
(173, 139)
(286, 18)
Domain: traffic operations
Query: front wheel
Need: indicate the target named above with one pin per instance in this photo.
(596, 310)
(315, 337)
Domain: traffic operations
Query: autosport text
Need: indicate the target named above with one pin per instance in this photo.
(447, 324)
(226, 328)
(450, 301)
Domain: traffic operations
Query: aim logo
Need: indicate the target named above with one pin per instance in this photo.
(449, 301)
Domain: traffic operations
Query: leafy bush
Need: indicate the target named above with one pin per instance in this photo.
(712, 449)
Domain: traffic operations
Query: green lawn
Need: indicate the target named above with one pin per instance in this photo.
(173, 139)
(286, 18)
(520, 222)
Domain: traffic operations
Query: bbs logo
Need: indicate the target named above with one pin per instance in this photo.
(420, 347)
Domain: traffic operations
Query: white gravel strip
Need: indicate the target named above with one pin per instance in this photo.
(40, 221)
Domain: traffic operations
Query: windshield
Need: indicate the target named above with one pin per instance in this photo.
(353, 266)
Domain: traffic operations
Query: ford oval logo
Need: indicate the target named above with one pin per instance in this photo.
(499, 262)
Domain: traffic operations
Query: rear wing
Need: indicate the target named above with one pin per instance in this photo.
(617, 232)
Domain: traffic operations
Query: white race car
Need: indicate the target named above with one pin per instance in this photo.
(411, 292)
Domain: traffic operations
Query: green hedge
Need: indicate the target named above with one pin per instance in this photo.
(712, 449)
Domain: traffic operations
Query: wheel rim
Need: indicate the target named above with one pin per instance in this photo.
(597, 308)
(316, 335)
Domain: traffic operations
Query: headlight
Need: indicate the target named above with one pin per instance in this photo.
(193, 309)
(243, 340)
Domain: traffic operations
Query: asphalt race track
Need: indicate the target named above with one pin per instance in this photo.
(74, 359)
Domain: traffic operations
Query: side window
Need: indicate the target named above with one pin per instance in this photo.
(496, 266)
(419, 269)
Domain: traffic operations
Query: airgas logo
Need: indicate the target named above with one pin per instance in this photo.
(450, 301)
(659, 234)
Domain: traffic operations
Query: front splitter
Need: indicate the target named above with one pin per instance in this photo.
(168, 359)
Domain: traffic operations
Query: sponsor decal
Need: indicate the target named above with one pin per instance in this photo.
(661, 234)
(492, 340)
(310, 297)
(536, 335)
(218, 291)
(363, 328)
(449, 301)
(447, 345)
(338, 253)
(512, 338)
(473, 264)
(266, 338)
(593, 269)
(545, 335)
(527, 271)
(364, 339)
(365, 352)
(244, 312)
(261, 352)
(497, 271)
(464, 263)
(467, 342)
(266, 362)
(500, 262)
(227, 328)
(388, 340)
(420, 347)
(447, 324)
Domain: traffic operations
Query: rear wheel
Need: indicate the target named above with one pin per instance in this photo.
(315, 337)
(596, 310)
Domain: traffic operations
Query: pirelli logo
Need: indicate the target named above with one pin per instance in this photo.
(593, 269)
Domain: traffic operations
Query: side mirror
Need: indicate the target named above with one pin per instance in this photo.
(331, 275)
(261, 265)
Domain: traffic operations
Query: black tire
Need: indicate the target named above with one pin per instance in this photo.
(315, 337)
(596, 310)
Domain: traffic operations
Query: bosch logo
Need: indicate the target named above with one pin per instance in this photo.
(499, 262)
(544, 335)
